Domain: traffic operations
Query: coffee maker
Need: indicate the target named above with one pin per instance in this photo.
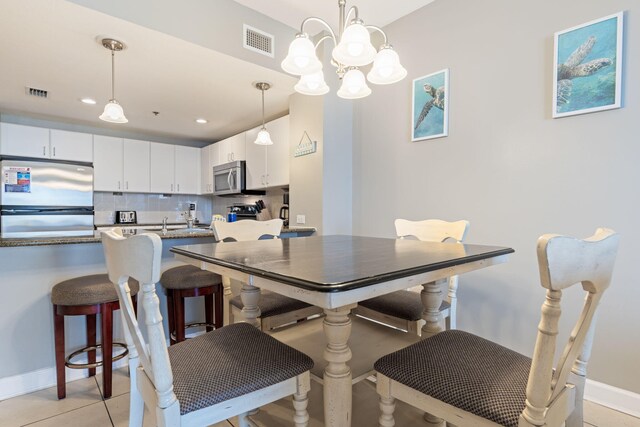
(284, 210)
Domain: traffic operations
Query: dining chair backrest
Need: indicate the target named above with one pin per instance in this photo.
(139, 257)
(432, 230)
(564, 262)
(246, 230)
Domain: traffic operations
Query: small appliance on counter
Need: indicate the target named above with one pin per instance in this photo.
(126, 217)
(45, 199)
(284, 210)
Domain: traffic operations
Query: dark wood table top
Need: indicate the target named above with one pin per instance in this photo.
(337, 263)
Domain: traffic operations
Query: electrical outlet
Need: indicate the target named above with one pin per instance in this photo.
(301, 219)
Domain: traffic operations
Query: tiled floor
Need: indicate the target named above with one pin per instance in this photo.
(84, 406)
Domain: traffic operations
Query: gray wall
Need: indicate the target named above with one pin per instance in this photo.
(507, 167)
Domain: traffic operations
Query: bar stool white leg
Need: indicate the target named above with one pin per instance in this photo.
(337, 373)
(250, 296)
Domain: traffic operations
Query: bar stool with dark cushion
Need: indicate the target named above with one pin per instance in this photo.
(87, 296)
(189, 281)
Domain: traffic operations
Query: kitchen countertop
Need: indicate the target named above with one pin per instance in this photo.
(172, 234)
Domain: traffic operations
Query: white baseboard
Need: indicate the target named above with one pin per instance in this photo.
(613, 397)
(18, 385)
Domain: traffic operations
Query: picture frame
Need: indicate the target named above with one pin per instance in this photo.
(430, 106)
(587, 67)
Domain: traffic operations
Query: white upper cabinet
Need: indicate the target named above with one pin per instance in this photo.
(232, 149)
(187, 170)
(268, 166)
(107, 163)
(209, 157)
(135, 161)
(24, 141)
(162, 168)
(72, 146)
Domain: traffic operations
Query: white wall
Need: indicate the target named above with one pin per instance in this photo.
(507, 167)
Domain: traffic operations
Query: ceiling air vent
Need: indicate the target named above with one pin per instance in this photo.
(258, 41)
(38, 93)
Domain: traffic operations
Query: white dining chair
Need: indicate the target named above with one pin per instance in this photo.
(403, 309)
(275, 310)
(470, 381)
(215, 376)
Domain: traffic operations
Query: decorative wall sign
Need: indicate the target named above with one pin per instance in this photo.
(587, 69)
(430, 112)
(305, 146)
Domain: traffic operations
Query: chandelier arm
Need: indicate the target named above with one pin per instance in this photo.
(346, 18)
(327, 37)
(320, 20)
(373, 27)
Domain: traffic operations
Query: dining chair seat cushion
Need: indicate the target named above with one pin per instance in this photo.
(272, 304)
(88, 290)
(465, 371)
(188, 277)
(405, 305)
(230, 362)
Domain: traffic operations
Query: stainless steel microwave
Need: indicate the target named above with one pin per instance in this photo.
(230, 179)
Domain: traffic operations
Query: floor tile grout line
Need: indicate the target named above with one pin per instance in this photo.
(57, 415)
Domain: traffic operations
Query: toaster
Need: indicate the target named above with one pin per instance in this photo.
(126, 217)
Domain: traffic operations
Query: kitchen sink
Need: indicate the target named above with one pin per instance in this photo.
(182, 231)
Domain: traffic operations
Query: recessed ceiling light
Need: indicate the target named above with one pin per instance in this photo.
(201, 121)
(89, 101)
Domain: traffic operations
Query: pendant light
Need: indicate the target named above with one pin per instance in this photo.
(263, 137)
(113, 112)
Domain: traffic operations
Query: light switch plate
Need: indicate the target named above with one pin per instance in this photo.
(301, 219)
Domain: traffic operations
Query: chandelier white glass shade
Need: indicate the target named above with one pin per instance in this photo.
(113, 112)
(354, 85)
(312, 84)
(263, 137)
(352, 50)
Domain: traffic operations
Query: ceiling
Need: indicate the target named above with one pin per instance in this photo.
(373, 12)
(54, 45)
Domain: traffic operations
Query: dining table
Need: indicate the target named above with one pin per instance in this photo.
(335, 272)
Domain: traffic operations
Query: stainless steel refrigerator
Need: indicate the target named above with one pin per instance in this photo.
(43, 199)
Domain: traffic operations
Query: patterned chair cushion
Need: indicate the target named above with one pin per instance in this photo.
(88, 290)
(272, 304)
(465, 371)
(188, 277)
(405, 305)
(230, 362)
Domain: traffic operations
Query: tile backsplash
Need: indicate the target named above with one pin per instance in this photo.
(151, 208)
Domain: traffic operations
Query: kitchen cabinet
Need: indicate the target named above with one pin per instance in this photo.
(24, 141)
(120, 164)
(174, 169)
(209, 157)
(135, 162)
(268, 166)
(42, 143)
(187, 170)
(71, 146)
(161, 168)
(107, 163)
(232, 149)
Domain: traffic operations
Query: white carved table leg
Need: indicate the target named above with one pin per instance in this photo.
(250, 296)
(227, 296)
(337, 374)
(431, 296)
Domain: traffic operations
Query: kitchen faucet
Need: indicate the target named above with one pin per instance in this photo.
(188, 219)
(164, 225)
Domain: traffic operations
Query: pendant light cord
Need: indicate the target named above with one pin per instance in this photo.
(262, 90)
(113, 75)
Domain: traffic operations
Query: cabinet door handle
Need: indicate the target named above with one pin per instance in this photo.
(171, 187)
(178, 188)
(267, 179)
(44, 150)
(118, 185)
(126, 185)
(233, 156)
(54, 151)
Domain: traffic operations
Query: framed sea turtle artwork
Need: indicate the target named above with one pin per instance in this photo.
(430, 109)
(587, 71)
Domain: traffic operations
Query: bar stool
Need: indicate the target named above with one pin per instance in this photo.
(188, 281)
(87, 296)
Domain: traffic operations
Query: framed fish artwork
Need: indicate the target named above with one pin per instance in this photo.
(430, 112)
(587, 67)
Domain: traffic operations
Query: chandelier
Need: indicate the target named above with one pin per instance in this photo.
(352, 50)
(113, 112)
